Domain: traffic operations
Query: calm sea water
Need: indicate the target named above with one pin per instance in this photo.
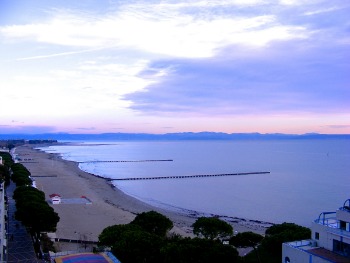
(306, 177)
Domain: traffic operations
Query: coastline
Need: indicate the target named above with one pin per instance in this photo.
(110, 205)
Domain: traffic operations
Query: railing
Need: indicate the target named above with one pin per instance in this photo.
(330, 222)
(300, 243)
(326, 219)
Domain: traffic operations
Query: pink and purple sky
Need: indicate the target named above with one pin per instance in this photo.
(94, 66)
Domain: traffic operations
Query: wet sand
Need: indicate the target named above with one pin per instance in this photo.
(109, 205)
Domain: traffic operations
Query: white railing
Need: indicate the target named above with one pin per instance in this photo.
(300, 243)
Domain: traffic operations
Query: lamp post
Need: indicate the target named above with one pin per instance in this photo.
(75, 232)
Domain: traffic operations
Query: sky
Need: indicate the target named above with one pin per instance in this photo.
(144, 66)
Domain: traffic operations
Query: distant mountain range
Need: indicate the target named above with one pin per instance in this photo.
(171, 136)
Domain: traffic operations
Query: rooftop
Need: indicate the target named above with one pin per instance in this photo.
(328, 255)
(310, 247)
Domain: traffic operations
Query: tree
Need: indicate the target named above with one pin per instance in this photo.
(247, 239)
(5, 168)
(281, 233)
(145, 240)
(198, 250)
(212, 228)
(21, 175)
(112, 234)
(137, 245)
(270, 249)
(153, 222)
(22, 192)
(34, 212)
(131, 243)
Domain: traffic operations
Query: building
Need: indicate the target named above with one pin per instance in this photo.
(3, 213)
(55, 199)
(330, 241)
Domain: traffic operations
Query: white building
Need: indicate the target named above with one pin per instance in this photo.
(55, 199)
(3, 213)
(330, 241)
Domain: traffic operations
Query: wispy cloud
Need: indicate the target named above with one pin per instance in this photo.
(339, 126)
(59, 54)
(28, 129)
(166, 29)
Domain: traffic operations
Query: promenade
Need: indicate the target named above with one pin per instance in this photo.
(19, 246)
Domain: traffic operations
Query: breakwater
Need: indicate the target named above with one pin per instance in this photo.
(183, 176)
(128, 161)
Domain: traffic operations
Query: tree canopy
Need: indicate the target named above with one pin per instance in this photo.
(145, 240)
(246, 239)
(153, 222)
(21, 175)
(5, 168)
(33, 210)
(281, 233)
(270, 249)
(198, 250)
(212, 228)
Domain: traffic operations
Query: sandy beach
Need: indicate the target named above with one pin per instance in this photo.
(109, 205)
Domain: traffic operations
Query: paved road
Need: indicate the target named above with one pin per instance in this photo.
(20, 246)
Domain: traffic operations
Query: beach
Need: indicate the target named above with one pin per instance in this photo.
(109, 206)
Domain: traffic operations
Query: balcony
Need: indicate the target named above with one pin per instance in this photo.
(328, 219)
(333, 224)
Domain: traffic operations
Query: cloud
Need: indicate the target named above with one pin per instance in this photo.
(174, 30)
(340, 126)
(25, 129)
(285, 78)
(59, 54)
(87, 128)
(176, 58)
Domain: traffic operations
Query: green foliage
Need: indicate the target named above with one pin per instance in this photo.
(212, 228)
(137, 245)
(46, 244)
(246, 239)
(286, 232)
(33, 210)
(5, 168)
(270, 250)
(111, 234)
(144, 240)
(4, 173)
(153, 222)
(198, 250)
(24, 191)
(19, 168)
(6, 158)
(20, 175)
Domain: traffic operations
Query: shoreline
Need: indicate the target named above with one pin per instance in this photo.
(110, 205)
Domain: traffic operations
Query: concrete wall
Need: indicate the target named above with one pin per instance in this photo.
(297, 255)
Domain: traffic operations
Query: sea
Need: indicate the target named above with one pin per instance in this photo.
(306, 177)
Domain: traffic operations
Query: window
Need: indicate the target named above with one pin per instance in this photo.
(317, 235)
(342, 225)
(341, 248)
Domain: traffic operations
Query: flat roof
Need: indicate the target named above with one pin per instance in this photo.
(329, 255)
